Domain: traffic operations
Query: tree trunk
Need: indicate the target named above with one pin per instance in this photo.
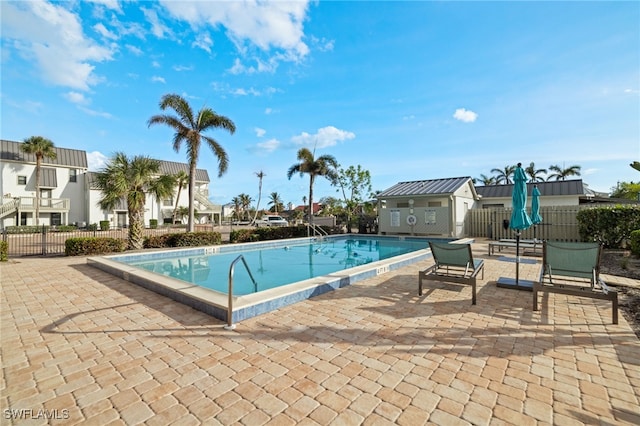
(136, 229)
(38, 165)
(311, 179)
(192, 193)
(175, 209)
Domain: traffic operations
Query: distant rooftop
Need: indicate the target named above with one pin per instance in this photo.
(425, 187)
(65, 157)
(551, 188)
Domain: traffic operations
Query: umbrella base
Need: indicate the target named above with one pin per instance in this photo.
(511, 283)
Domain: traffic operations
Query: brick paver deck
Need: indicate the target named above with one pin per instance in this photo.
(84, 347)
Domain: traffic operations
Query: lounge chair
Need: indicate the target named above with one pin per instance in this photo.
(454, 263)
(573, 269)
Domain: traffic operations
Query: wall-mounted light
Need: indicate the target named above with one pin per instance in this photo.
(411, 206)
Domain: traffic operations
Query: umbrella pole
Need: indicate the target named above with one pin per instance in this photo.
(517, 257)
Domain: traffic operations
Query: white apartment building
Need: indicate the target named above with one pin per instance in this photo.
(69, 197)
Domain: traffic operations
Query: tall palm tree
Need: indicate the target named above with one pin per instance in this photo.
(189, 128)
(182, 179)
(275, 201)
(503, 176)
(40, 147)
(260, 175)
(560, 173)
(237, 206)
(325, 165)
(534, 173)
(131, 179)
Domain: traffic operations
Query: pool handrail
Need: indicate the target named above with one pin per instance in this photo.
(317, 230)
(230, 325)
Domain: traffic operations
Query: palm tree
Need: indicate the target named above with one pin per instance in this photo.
(237, 207)
(534, 173)
(260, 175)
(40, 147)
(131, 179)
(182, 178)
(275, 201)
(189, 129)
(562, 173)
(486, 180)
(324, 165)
(504, 176)
(245, 203)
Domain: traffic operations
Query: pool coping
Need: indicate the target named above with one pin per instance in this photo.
(216, 304)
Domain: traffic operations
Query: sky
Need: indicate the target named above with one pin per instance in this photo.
(407, 90)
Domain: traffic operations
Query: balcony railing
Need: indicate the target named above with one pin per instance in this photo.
(46, 204)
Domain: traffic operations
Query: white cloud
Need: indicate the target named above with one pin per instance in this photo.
(133, 49)
(52, 36)
(260, 132)
(268, 146)
(203, 41)
(265, 25)
(155, 64)
(104, 32)
(158, 28)
(268, 111)
(158, 79)
(465, 115)
(182, 68)
(94, 112)
(109, 4)
(96, 160)
(325, 137)
(76, 98)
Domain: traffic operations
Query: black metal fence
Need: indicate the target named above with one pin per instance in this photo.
(48, 241)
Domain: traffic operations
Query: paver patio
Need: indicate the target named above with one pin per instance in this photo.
(82, 346)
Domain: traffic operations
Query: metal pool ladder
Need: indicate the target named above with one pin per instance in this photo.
(230, 325)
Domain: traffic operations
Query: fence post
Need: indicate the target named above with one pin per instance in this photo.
(44, 241)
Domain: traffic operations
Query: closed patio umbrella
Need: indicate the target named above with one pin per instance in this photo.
(535, 209)
(520, 220)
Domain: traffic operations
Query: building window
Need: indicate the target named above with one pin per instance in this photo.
(23, 219)
(167, 202)
(73, 175)
(22, 180)
(435, 204)
(56, 219)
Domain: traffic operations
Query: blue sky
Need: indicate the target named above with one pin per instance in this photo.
(407, 90)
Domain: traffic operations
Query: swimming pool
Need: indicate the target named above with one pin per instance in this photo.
(286, 271)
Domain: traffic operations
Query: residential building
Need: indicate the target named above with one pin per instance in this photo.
(69, 195)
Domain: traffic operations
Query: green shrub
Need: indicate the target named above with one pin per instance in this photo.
(25, 229)
(153, 223)
(65, 228)
(635, 242)
(611, 226)
(183, 239)
(92, 227)
(4, 251)
(105, 225)
(243, 236)
(93, 245)
(156, 241)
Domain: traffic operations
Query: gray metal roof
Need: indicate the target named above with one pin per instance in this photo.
(11, 151)
(561, 187)
(172, 167)
(425, 187)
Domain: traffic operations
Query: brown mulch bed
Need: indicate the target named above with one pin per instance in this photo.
(623, 264)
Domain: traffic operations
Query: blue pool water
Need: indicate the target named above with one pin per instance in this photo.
(279, 264)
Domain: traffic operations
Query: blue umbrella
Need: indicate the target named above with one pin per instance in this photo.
(519, 218)
(535, 208)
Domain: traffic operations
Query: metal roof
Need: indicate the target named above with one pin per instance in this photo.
(425, 187)
(560, 187)
(172, 167)
(11, 151)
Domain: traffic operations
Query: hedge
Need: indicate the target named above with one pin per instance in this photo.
(635, 242)
(183, 239)
(611, 226)
(275, 233)
(4, 251)
(83, 246)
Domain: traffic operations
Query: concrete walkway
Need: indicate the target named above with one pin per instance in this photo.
(83, 347)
